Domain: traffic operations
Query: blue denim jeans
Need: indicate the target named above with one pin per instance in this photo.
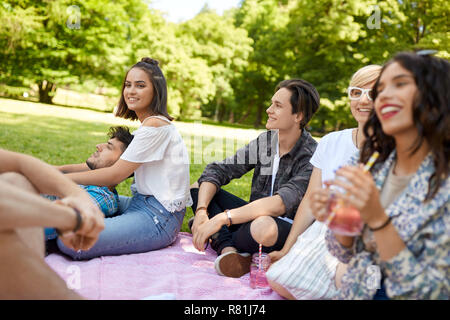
(142, 225)
(381, 293)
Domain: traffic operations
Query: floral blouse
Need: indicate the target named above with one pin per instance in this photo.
(422, 269)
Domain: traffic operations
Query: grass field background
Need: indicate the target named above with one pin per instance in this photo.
(61, 135)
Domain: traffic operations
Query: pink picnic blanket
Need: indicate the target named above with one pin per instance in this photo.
(177, 272)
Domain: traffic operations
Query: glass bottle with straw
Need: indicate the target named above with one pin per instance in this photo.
(344, 219)
(260, 264)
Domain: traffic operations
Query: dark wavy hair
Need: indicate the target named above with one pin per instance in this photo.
(431, 115)
(304, 98)
(122, 134)
(158, 106)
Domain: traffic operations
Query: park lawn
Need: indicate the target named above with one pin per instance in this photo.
(59, 135)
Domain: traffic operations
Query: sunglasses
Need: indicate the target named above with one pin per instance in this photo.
(426, 52)
(356, 93)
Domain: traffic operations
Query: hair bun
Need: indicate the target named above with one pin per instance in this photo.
(150, 61)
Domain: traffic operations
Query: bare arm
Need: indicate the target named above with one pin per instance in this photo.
(42, 175)
(46, 179)
(303, 218)
(269, 206)
(70, 168)
(22, 209)
(110, 176)
(206, 192)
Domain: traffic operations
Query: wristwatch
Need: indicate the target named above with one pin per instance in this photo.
(230, 222)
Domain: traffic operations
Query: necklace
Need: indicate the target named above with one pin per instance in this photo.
(356, 138)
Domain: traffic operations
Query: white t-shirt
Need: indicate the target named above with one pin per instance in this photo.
(276, 164)
(334, 150)
(164, 172)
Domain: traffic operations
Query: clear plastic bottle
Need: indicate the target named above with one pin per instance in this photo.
(342, 218)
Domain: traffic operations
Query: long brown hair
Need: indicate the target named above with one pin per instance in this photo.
(158, 106)
(431, 115)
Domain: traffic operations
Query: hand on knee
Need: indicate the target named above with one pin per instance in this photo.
(264, 230)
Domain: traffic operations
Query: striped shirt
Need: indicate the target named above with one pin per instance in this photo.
(107, 201)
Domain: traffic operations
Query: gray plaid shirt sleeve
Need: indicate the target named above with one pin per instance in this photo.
(292, 191)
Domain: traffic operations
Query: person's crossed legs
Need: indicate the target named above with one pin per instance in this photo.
(235, 244)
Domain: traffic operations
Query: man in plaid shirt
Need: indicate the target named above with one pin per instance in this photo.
(106, 155)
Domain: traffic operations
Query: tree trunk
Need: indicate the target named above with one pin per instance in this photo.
(222, 113)
(219, 112)
(231, 117)
(46, 91)
(258, 118)
(247, 113)
(216, 113)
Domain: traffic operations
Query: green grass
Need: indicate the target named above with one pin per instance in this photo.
(59, 135)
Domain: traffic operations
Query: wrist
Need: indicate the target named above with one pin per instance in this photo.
(72, 221)
(221, 219)
(203, 209)
(379, 225)
(227, 218)
(285, 250)
(377, 220)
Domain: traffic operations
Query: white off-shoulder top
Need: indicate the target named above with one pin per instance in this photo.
(164, 172)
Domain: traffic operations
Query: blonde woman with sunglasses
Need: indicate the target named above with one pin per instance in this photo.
(304, 268)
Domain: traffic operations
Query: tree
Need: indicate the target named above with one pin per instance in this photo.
(265, 22)
(189, 79)
(64, 41)
(325, 42)
(407, 25)
(221, 67)
(224, 48)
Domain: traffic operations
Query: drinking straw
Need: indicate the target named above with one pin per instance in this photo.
(366, 168)
(260, 256)
(371, 161)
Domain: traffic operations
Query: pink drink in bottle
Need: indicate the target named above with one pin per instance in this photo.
(258, 271)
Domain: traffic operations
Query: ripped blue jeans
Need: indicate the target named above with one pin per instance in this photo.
(142, 225)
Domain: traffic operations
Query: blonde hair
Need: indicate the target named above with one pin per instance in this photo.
(365, 75)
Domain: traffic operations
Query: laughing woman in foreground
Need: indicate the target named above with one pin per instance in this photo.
(403, 252)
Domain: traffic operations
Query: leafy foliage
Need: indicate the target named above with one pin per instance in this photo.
(223, 68)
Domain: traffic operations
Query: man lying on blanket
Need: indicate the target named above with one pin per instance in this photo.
(106, 155)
